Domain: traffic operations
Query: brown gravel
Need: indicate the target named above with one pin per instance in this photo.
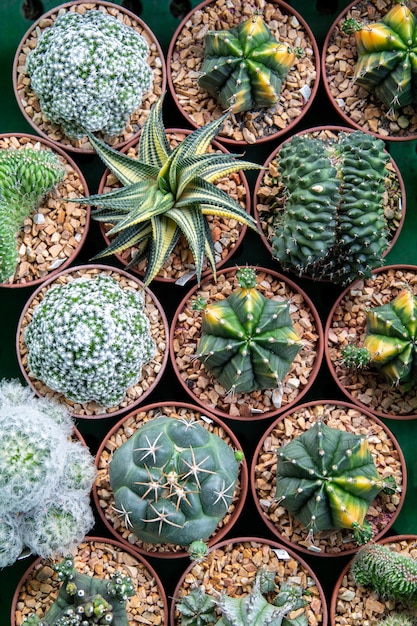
(348, 325)
(150, 372)
(382, 448)
(187, 56)
(98, 559)
(355, 103)
(30, 103)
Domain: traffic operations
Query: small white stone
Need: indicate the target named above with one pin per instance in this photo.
(39, 218)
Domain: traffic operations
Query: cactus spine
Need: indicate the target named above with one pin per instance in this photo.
(248, 341)
(244, 67)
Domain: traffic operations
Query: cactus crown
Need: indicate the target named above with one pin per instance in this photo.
(173, 481)
(26, 176)
(244, 67)
(327, 479)
(397, 619)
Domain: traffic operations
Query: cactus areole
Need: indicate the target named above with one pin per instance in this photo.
(173, 481)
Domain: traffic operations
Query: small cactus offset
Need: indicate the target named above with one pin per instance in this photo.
(244, 67)
(248, 341)
(86, 600)
(26, 176)
(173, 481)
(387, 49)
(327, 479)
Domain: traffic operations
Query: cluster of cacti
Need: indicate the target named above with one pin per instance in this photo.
(332, 225)
(45, 477)
(89, 339)
(167, 192)
(244, 67)
(198, 607)
(86, 600)
(386, 64)
(248, 341)
(26, 176)
(391, 574)
(173, 481)
(327, 479)
(390, 344)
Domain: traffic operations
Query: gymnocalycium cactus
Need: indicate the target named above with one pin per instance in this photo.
(327, 479)
(332, 225)
(386, 64)
(86, 600)
(244, 67)
(89, 339)
(198, 608)
(391, 574)
(173, 481)
(45, 476)
(26, 176)
(90, 73)
(248, 341)
(390, 343)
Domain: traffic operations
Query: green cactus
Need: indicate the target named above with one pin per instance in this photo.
(333, 224)
(386, 64)
(397, 619)
(391, 574)
(244, 67)
(26, 176)
(86, 600)
(173, 481)
(248, 341)
(390, 342)
(327, 479)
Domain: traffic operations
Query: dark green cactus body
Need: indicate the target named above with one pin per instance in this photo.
(173, 481)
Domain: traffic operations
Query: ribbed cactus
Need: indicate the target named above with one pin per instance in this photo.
(248, 341)
(333, 224)
(391, 574)
(386, 64)
(86, 600)
(26, 175)
(327, 479)
(390, 341)
(244, 67)
(173, 481)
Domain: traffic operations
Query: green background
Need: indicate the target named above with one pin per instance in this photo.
(157, 14)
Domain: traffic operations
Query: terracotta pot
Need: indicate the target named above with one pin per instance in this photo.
(125, 428)
(184, 61)
(230, 568)
(151, 372)
(201, 385)
(29, 103)
(179, 266)
(94, 555)
(346, 323)
(360, 605)
(266, 191)
(48, 247)
(356, 106)
(383, 446)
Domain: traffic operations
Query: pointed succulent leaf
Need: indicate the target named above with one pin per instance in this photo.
(154, 147)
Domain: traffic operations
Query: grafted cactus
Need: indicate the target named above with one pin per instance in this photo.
(327, 479)
(248, 341)
(387, 49)
(173, 481)
(244, 67)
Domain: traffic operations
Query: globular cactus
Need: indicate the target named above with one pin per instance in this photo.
(391, 574)
(390, 344)
(26, 175)
(397, 619)
(327, 479)
(173, 481)
(86, 600)
(244, 67)
(248, 341)
(333, 224)
(386, 64)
